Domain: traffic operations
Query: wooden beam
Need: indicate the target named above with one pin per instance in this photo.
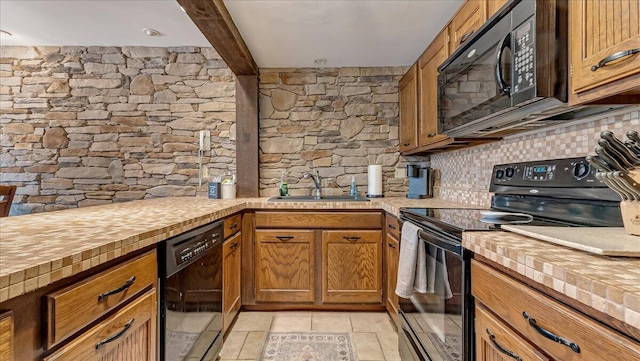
(215, 23)
(247, 135)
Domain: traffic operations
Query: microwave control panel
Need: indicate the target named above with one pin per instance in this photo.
(524, 56)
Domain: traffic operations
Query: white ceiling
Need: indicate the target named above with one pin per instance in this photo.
(285, 33)
(99, 23)
(292, 33)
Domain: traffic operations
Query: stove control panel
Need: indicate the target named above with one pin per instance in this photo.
(555, 173)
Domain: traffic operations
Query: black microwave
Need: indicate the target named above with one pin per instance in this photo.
(511, 76)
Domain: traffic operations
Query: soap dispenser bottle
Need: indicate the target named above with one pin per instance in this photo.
(354, 190)
(284, 187)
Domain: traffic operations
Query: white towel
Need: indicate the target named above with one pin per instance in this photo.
(437, 275)
(412, 262)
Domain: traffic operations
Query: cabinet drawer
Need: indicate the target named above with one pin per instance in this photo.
(73, 307)
(495, 340)
(127, 335)
(353, 236)
(307, 220)
(232, 225)
(393, 226)
(514, 302)
(278, 236)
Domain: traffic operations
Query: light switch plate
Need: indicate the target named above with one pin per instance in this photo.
(205, 140)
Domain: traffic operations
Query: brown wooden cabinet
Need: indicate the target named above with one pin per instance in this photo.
(284, 269)
(492, 7)
(231, 282)
(6, 336)
(392, 253)
(408, 98)
(465, 22)
(603, 36)
(351, 266)
(516, 309)
(129, 334)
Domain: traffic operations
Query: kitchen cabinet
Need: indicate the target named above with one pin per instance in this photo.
(468, 19)
(316, 259)
(6, 336)
(408, 98)
(231, 286)
(392, 249)
(604, 46)
(492, 7)
(129, 334)
(351, 266)
(516, 309)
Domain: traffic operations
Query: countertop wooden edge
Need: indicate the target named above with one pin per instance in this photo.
(16, 281)
(616, 305)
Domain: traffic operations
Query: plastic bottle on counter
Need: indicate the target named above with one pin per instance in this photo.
(354, 189)
(284, 187)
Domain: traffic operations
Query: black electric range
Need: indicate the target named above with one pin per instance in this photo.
(560, 192)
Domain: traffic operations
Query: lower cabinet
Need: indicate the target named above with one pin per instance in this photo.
(392, 249)
(6, 336)
(129, 334)
(231, 270)
(351, 266)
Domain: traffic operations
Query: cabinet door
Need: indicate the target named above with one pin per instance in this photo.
(495, 341)
(6, 336)
(231, 268)
(601, 29)
(392, 253)
(493, 6)
(428, 64)
(284, 266)
(130, 334)
(408, 89)
(465, 22)
(351, 266)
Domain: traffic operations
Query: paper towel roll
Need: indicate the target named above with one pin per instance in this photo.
(375, 181)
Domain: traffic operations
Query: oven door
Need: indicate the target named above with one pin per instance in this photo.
(438, 325)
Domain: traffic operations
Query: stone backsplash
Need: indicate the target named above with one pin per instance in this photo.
(334, 120)
(464, 175)
(91, 125)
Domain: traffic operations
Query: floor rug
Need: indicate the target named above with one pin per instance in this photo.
(450, 348)
(178, 344)
(308, 346)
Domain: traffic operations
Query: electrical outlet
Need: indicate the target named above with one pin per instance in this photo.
(401, 173)
(205, 140)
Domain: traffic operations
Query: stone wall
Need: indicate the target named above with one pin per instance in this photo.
(91, 125)
(335, 120)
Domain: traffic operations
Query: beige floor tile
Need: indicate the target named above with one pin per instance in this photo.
(371, 322)
(232, 345)
(389, 344)
(367, 346)
(291, 322)
(252, 345)
(254, 321)
(331, 322)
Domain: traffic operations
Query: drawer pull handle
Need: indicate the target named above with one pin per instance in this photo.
(392, 226)
(391, 245)
(284, 238)
(431, 135)
(407, 144)
(122, 288)
(563, 341)
(124, 330)
(234, 245)
(614, 57)
(233, 226)
(466, 36)
(501, 348)
(351, 238)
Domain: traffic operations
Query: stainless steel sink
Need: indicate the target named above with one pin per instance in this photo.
(315, 199)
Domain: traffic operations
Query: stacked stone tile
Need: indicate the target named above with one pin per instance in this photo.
(335, 120)
(91, 125)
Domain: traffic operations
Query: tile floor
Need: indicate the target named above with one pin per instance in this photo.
(373, 334)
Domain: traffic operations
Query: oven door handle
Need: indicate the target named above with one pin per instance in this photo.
(441, 242)
(503, 87)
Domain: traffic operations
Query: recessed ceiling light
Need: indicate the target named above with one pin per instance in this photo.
(151, 32)
(4, 32)
(320, 61)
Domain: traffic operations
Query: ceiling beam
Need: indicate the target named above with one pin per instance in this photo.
(215, 23)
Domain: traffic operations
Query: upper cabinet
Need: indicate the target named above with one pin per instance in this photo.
(492, 7)
(428, 64)
(465, 22)
(408, 89)
(604, 41)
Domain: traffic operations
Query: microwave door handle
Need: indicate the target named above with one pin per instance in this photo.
(503, 87)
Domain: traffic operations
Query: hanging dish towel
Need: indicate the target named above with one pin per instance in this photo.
(412, 267)
(437, 275)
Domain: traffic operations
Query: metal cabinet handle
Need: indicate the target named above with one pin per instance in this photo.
(233, 226)
(392, 226)
(501, 348)
(126, 328)
(122, 288)
(391, 245)
(431, 135)
(550, 335)
(613, 57)
(234, 245)
(351, 238)
(407, 144)
(466, 36)
(284, 238)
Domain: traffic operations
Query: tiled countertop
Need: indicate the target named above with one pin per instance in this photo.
(610, 285)
(39, 249)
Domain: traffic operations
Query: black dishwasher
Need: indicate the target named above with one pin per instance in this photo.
(190, 309)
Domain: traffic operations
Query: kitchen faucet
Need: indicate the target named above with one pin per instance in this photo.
(316, 182)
